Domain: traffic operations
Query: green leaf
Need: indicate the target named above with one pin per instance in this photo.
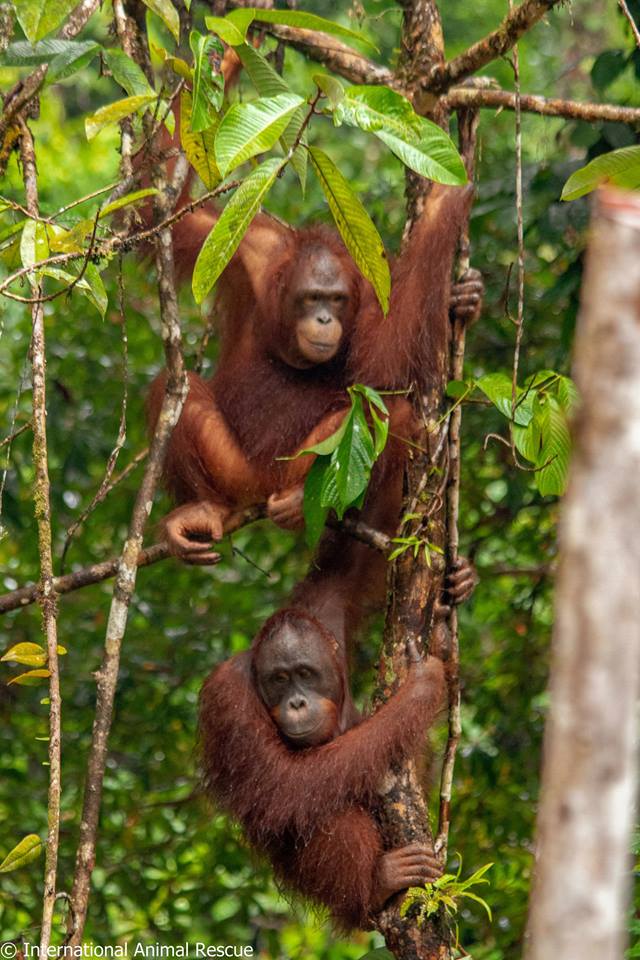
(497, 387)
(25, 852)
(330, 86)
(70, 62)
(527, 440)
(351, 463)
(23, 54)
(126, 201)
(34, 245)
(568, 395)
(224, 239)
(127, 73)
(555, 449)
(208, 82)
(268, 83)
(421, 144)
(90, 285)
(29, 654)
(315, 515)
(310, 21)
(620, 167)
(39, 17)
(226, 30)
(30, 679)
(179, 66)
(248, 129)
(360, 236)
(167, 13)
(114, 112)
(380, 953)
(199, 147)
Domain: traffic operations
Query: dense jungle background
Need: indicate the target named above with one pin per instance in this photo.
(167, 869)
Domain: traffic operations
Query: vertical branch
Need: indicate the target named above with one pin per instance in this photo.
(467, 129)
(175, 393)
(520, 226)
(47, 594)
(590, 770)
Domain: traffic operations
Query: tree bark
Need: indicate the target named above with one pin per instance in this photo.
(589, 776)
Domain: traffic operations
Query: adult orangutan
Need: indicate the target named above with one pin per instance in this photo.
(298, 325)
(286, 753)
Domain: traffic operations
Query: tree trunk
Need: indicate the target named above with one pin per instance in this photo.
(589, 776)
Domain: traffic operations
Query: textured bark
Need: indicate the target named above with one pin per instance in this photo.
(589, 777)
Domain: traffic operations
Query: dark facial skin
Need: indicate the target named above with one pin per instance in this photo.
(299, 683)
(318, 300)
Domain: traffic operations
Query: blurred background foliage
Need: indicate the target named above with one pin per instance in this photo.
(168, 870)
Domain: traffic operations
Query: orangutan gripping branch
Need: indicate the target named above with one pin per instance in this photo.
(299, 324)
(286, 753)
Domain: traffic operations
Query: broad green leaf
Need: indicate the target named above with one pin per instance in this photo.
(125, 201)
(114, 112)
(330, 86)
(380, 953)
(568, 395)
(23, 54)
(30, 679)
(226, 30)
(351, 464)
(199, 147)
(315, 515)
(241, 18)
(527, 440)
(248, 129)
(127, 73)
(34, 245)
(310, 21)
(421, 144)
(208, 82)
(497, 387)
(269, 83)
(29, 654)
(458, 388)
(555, 449)
(620, 167)
(179, 66)
(25, 852)
(90, 285)
(224, 239)
(73, 60)
(360, 236)
(325, 447)
(167, 13)
(39, 17)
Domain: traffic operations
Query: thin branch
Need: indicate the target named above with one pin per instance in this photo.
(517, 22)
(175, 393)
(467, 125)
(47, 596)
(105, 485)
(97, 572)
(634, 28)
(15, 434)
(544, 106)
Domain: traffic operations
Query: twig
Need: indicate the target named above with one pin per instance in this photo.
(16, 433)
(47, 594)
(97, 572)
(634, 29)
(467, 125)
(545, 106)
(105, 485)
(175, 393)
(520, 228)
(517, 22)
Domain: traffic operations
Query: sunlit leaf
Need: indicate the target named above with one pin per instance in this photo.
(310, 21)
(224, 239)
(199, 147)
(360, 236)
(30, 679)
(127, 73)
(248, 129)
(167, 13)
(114, 112)
(555, 449)
(226, 30)
(126, 201)
(90, 284)
(25, 852)
(620, 167)
(269, 83)
(39, 17)
(34, 245)
(208, 82)
(29, 654)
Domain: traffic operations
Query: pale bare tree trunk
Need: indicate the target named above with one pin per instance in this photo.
(589, 775)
